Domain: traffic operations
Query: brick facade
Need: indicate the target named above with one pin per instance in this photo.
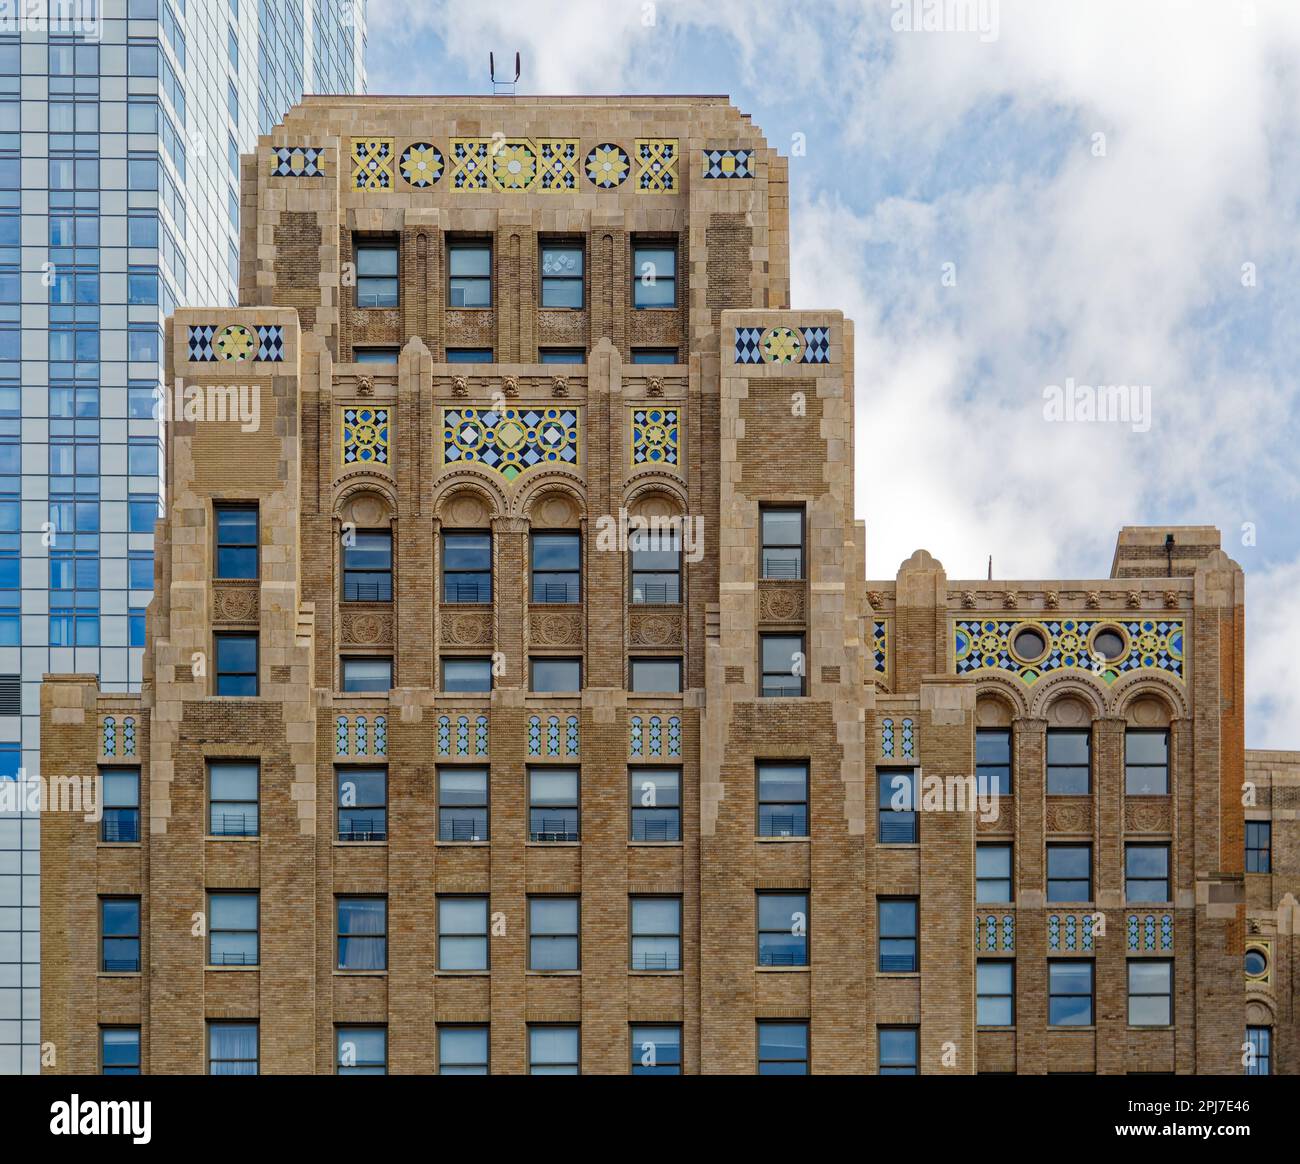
(764, 405)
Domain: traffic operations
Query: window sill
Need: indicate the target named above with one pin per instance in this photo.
(463, 973)
(783, 969)
(803, 839)
(360, 973)
(1083, 1030)
(899, 844)
(119, 974)
(219, 837)
(461, 844)
(360, 844)
(656, 973)
(224, 969)
(655, 844)
(898, 974)
(981, 1027)
(553, 973)
(119, 844)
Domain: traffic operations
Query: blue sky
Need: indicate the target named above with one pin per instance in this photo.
(1116, 185)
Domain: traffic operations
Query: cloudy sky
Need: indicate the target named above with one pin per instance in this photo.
(1112, 189)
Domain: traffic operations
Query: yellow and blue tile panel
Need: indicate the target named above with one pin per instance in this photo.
(782, 345)
(655, 437)
(236, 342)
(516, 165)
(728, 164)
(366, 436)
(1153, 644)
(510, 441)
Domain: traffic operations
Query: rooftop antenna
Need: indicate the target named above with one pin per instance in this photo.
(502, 88)
(990, 567)
(1169, 555)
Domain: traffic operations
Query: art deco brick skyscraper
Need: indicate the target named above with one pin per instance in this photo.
(440, 765)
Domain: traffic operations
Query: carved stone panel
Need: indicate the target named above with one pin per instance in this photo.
(781, 602)
(1144, 814)
(660, 328)
(562, 327)
(471, 329)
(554, 628)
(467, 628)
(235, 604)
(366, 627)
(1004, 822)
(1069, 814)
(656, 627)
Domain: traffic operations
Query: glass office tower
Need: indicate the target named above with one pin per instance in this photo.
(121, 126)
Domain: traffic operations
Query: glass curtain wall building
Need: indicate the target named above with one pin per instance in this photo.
(121, 126)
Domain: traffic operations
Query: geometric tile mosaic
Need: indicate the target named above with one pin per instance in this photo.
(421, 164)
(608, 165)
(355, 737)
(297, 162)
(208, 342)
(201, 335)
(270, 343)
(880, 646)
(1150, 932)
(995, 933)
(112, 737)
(891, 741)
(657, 162)
(727, 164)
(559, 157)
(510, 441)
(1069, 931)
(654, 737)
(372, 163)
(235, 342)
(469, 163)
(365, 436)
(654, 436)
(514, 165)
(782, 345)
(552, 737)
(462, 736)
(985, 644)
